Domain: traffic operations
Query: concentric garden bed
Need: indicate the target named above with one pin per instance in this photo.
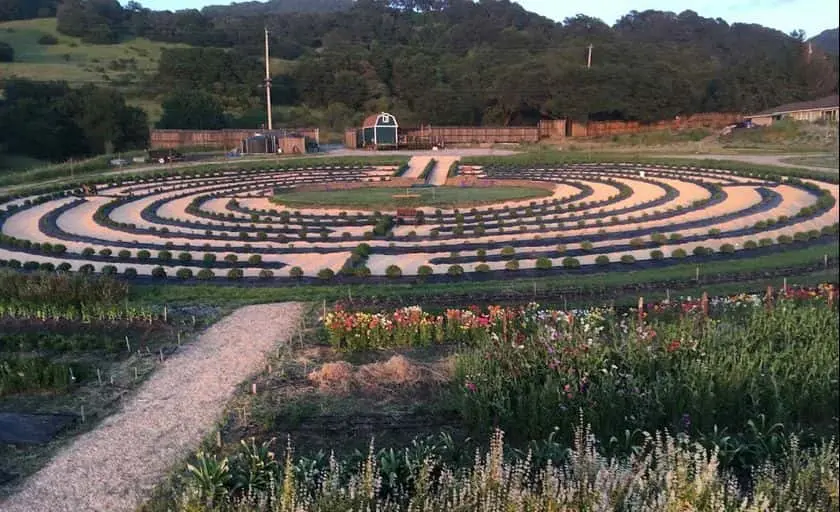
(338, 223)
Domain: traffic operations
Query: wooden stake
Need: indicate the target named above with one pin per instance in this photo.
(218, 439)
(325, 309)
(179, 338)
(667, 295)
(704, 302)
(641, 310)
(825, 260)
(83, 413)
(72, 377)
(99, 376)
(127, 344)
(161, 354)
(784, 285)
(697, 274)
(254, 388)
(165, 313)
(768, 297)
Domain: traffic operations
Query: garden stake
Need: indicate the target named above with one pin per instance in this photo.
(127, 344)
(697, 274)
(165, 313)
(99, 376)
(641, 310)
(83, 414)
(193, 320)
(784, 286)
(179, 338)
(161, 354)
(218, 439)
(72, 377)
(254, 388)
(667, 295)
(704, 302)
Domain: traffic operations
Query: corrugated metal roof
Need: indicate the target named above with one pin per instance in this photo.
(827, 102)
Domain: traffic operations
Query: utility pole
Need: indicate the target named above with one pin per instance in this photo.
(267, 83)
(589, 56)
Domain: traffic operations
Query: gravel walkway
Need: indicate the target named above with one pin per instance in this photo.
(117, 465)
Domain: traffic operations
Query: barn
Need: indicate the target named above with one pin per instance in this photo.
(379, 131)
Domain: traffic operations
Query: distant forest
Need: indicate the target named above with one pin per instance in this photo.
(453, 61)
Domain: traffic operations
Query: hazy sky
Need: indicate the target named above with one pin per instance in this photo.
(812, 16)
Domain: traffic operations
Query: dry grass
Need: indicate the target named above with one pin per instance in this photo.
(396, 372)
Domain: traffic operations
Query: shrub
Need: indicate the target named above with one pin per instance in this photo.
(231, 258)
(88, 251)
(326, 274)
(750, 244)
(656, 254)
(675, 237)
(481, 254)
(296, 272)
(31, 265)
(13, 263)
(184, 273)
(164, 255)
(109, 270)
(571, 263)
(679, 253)
(765, 242)
(637, 242)
(760, 225)
(800, 236)
(235, 273)
(124, 254)
(512, 265)
(424, 271)
(702, 251)
(784, 239)
(205, 274)
(543, 263)
(602, 260)
(48, 40)
(58, 249)
(209, 258)
(727, 248)
(508, 252)
(714, 232)
(362, 271)
(455, 271)
(627, 259)
(105, 252)
(64, 267)
(255, 259)
(143, 254)
(130, 272)
(86, 269)
(393, 272)
(184, 257)
(561, 249)
(266, 274)
(586, 245)
(158, 272)
(482, 268)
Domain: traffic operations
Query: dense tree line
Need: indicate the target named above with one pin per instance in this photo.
(52, 121)
(27, 9)
(461, 62)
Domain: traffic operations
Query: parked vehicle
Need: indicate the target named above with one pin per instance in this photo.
(165, 156)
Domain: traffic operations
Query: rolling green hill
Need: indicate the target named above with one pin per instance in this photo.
(73, 61)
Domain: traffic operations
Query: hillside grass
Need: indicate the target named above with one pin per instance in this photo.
(72, 60)
(785, 135)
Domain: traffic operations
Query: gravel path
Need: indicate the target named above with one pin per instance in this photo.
(117, 465)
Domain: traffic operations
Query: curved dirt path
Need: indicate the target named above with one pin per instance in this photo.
(115, 466)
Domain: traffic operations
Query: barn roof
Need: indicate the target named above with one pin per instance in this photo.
(371, 120)
(822, 103)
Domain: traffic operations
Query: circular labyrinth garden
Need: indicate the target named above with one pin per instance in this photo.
(268, 224)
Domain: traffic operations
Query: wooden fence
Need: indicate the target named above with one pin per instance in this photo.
(220, 139)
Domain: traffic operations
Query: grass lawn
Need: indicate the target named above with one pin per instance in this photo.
(387, 198)
(827, 161)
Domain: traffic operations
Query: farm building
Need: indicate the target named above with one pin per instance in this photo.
(823, 109)
(379, 131)
(273, 143)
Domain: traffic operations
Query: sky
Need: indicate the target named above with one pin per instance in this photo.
(812, 16)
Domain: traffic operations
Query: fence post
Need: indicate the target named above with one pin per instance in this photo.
(768, 297)
(704, 303)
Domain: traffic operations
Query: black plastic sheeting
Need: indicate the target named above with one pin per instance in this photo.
(25, 428)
